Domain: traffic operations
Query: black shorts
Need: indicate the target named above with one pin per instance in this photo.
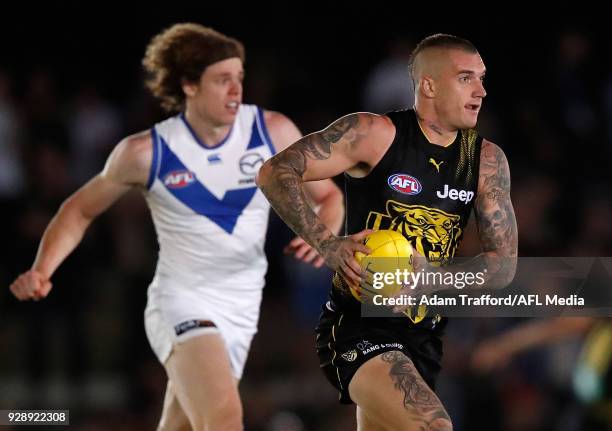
(346, 341)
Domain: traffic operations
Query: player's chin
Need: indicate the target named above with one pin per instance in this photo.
(230, 113)
(227, 118)
(470, 119)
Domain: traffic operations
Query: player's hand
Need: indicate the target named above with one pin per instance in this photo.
(31, 285)
(301, 250)
(419, 263)
(489, 356)
(339, 254)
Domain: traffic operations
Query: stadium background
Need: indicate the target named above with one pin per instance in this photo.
(71, 85)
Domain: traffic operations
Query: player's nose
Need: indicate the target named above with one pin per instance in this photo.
(480, 90)
(236, 88)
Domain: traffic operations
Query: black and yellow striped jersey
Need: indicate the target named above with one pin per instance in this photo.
(422, 190)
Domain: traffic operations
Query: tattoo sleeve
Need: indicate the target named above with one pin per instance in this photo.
(495, 217)
(281, 178)
(423, 406)
(496, 224)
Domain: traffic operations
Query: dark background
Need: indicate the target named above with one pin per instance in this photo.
(71, 86)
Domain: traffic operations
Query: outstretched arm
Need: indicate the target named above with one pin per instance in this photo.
(348, 144)
(498, 350)
(127, 166)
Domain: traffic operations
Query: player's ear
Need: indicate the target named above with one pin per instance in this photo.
(428, 86)
(190, 88)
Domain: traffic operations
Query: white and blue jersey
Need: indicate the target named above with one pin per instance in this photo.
(211, 222)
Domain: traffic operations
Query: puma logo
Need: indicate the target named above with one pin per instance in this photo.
(437, 165)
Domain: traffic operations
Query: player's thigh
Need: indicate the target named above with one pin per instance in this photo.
(394, 396)
(173, 417)
(202, 379)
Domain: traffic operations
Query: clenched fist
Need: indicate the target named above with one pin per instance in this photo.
(31, 285)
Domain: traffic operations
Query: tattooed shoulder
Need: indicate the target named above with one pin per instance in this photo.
(494, 175)
(351, 128)
(491, 157)
(495, 215)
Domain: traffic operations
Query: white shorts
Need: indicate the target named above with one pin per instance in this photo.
(171, 317)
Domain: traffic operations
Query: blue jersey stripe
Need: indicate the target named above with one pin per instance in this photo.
(192, 193)
(155, 159)
(263, 130)
(256, 140)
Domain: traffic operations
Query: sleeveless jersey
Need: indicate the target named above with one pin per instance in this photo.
(209, 216)
(422, 190)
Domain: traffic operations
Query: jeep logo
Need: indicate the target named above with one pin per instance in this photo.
(454, 194)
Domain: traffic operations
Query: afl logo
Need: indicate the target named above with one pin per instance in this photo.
(250, 163)
(405, 184)
(178, 179)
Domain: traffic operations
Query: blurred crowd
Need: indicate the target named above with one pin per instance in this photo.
(84, 348)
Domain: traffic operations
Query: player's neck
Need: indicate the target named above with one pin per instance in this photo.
(434, 132)
(210, 134)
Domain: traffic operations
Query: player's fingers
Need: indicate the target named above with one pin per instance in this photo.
(16, 290)
(293, 245)
(44, 289)
(34, 284)
(418, 261)
(360, 236)
(355, 267)
(351, 276)
(310, 255)
(399, 309)
(319, 261)
(416, 253)
(357, 246)
(301, 251)
(20, 287)
(289, 249)
(23, 293)
(297, 241)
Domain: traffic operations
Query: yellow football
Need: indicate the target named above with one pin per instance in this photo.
(391, 252)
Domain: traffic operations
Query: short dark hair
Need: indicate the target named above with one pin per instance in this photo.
(183, 52)
(441, 40)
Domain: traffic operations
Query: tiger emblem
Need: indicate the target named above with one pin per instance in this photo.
(434, 233)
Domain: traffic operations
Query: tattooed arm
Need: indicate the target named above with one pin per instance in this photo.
(353, 144)
(325, 196)
(496, 228)
(495, 216)
(496, 225)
